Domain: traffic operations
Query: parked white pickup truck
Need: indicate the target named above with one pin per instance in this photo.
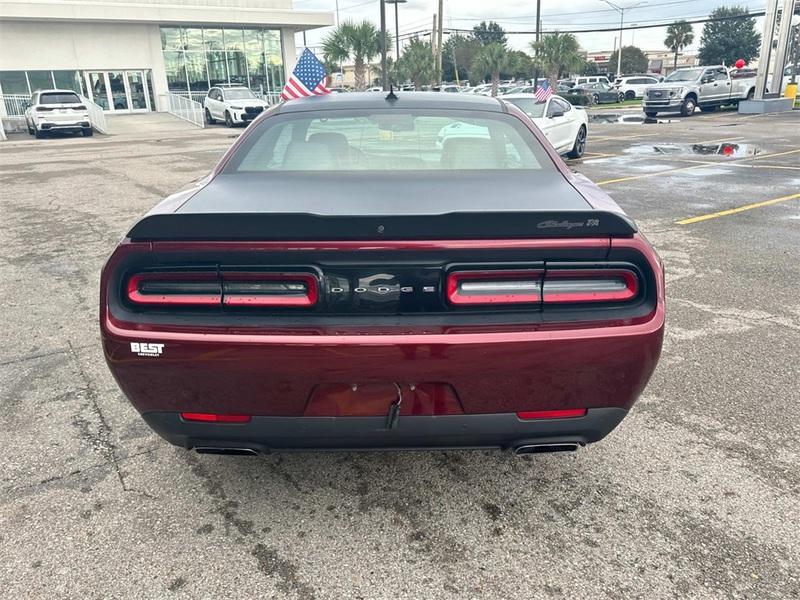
(707, 87)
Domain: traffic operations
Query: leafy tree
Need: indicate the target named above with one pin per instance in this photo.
(489, 33)
(360, 41)
(416, 63)
(633, 60)
(520, 66)
(492, 60)
(589, 68)
(679, 35)
(462, 50)
(724, 42)
(557, 53)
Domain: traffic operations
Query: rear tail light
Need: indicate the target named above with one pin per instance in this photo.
(590, 285)
(269, 289)
(233, 288)
(175, 289)
(494, 287)
(551, 286)
(214, 418)
(563, 413)
(44, 109)
(79, 107)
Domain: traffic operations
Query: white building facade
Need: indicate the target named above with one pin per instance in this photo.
(126, 56)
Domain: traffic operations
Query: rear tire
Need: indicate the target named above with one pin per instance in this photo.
(689, 104)
(209, 119)
(621, 97)
(579, 147)
(30, 129)
(40, 135)
(228, 119)
(751, 94)
(595, 99)
(630, 95)
(89, 132)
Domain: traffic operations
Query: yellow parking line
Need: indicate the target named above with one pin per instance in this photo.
(679, 169)
(626, 137)
(733, 211)
(769, 167)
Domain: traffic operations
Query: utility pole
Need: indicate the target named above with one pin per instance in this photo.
(439, 44)
(621, 10)
(433, 38)
(384, 74)
(536, 51)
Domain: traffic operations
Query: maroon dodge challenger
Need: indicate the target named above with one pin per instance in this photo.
(364, 271)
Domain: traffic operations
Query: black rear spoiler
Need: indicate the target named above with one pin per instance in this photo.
(451, 226)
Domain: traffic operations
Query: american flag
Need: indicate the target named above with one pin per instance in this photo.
(307, 79)
(544, 91)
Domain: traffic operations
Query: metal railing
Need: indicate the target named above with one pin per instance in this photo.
(96, 115)
(15, 104)
(198, 97)
(186, 109)
(269, 97)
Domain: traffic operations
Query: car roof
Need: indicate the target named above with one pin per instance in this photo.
(55, 91)
(405, 100)
(521, 95)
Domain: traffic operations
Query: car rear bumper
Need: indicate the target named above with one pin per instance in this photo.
(264, 434)
(63, 126)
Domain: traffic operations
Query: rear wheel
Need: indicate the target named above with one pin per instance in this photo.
(595, 98)
(228, 119)
(687, 109)
(751, 94)
(30, 129)
(209, 119)
(620, 97)
(39, 134)
(88, 132)
(579, 146)
(630, 95)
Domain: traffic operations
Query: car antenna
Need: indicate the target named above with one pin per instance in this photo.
(391, 95)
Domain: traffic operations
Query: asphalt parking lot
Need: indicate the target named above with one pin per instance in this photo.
(696, 494)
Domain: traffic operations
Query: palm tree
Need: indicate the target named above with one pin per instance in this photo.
(359, 41)
(558, 53)
(416, 63)
(492, 60)
(679, 35)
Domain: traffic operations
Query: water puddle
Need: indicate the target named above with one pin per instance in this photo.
(727, 150)
(627, 119)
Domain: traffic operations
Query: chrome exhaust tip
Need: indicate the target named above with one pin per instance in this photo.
(226, 451)
(544, 448)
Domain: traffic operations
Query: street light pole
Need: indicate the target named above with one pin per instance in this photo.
(396, 26)
(384, 74)
(536, 52)
(621, 10)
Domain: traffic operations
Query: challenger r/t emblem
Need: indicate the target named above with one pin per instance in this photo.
(147, 349)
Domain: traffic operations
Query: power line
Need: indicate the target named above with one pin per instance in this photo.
(422, 32)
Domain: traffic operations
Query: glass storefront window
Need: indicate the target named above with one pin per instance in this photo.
(237, 68)
(193, 40)
(171, 38)
(14, 82)
(68, 80)
(176, 72)
(212, 39)
(196, 71)
(196, 59)
(40, 80)
(233, 40)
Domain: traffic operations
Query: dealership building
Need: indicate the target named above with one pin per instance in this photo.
(127, 56)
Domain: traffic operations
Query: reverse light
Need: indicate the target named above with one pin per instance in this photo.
(269, 289)
(214, 418)
(589, 285)
(175, 289)
(563, 413)
(494, 287)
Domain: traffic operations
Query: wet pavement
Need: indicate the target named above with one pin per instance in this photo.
(696, 494)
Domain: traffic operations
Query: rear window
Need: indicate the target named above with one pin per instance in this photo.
(390, 140)
(58, 98)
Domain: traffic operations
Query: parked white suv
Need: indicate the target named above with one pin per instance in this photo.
(57, 110)
(634, 86)
(234, 105)
(585, 79)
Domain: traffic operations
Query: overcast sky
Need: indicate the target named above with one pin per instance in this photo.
(521, 16)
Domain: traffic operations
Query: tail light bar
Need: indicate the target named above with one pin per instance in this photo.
(231, 288)
(494, 287)
(214, 417)
(546, 286)
(562, 413)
